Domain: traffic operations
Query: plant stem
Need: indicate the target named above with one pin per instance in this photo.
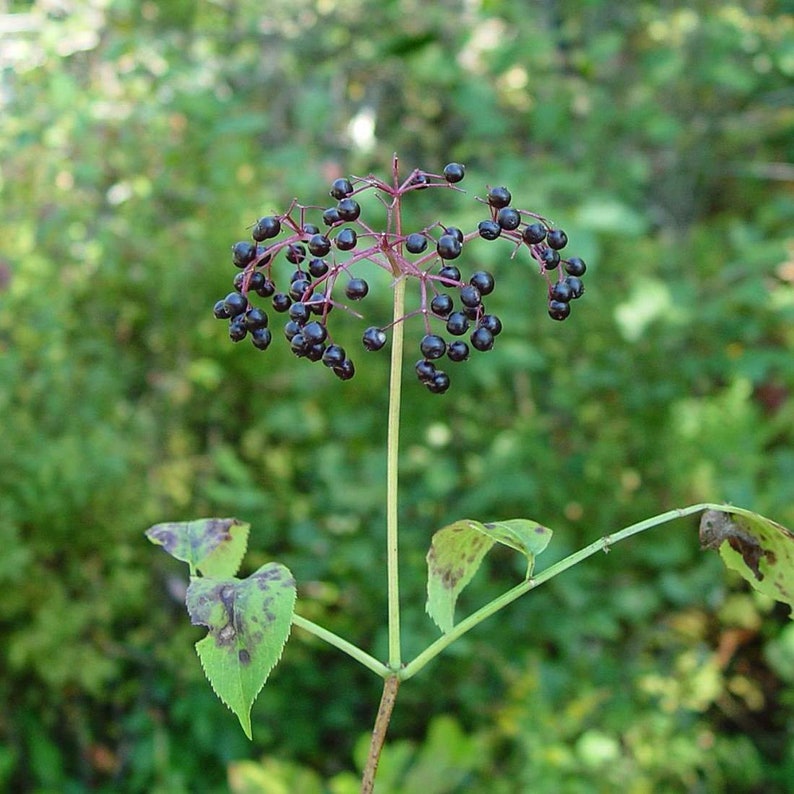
(392, 463)
(602, 544)
(390, 687)
(343, 645)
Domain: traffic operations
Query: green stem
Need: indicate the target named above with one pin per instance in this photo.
(343, 645)
(392, 462)
(602, 544)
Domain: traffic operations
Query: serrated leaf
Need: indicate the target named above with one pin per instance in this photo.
(457, 550)
(760, 549)
(249, 622)
(213, 546)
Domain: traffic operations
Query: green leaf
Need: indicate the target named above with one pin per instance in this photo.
(761, 550)
(457, 550)
(249, 621)
(213, 546)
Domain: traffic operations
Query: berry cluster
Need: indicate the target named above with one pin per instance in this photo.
(321, 260)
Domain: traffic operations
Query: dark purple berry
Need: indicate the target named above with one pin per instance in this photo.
(458, 350)
(356, 289)
(296, 253)
(561, 291)
(420, 181)
(534, 233)
(331, 216)
(299, 345)
(265, 228)
(281, 302)
(550, 258)
(489, 230)
(256, 280)
(243, 253)
(415, 243)
(483, 280)
(315, 351)
(454, 172)
(220, 310)
(319, 245)
(556, 239)
(576, 285)
(310, 228)
(291, 327)
(318, 267)
(425, 370)
(455, 232)
(298, 275)
(499, 197)
(470, 296)
(267, 289)
(315, 332)
(237, 330)
(559, 310)
(575, 266)
(448, 247)
(440, 382)
(255, 318)
(457, 323)
(482, 339)
(492, 323)
(348, 209)
(235, 304)
(261, 338)
(449, 273)
(345, 371)
(300, 289)
(341, 188)
(334, 356)
(508, 218)
(346, 239)
(374, 338)
(432, 346)
(441, 305)
(299, 312)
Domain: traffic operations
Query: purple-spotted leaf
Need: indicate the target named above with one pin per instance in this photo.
(213, 546)
(457, 550)
(761, 550)
(249, 621)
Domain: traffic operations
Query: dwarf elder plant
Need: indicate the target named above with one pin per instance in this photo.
(305, 270)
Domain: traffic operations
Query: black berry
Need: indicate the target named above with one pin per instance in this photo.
(265, 228)
(243, 253)
(449, 273)
(489, 230)
(415, 243)
(267, 289)
(345, 371)
(454, 172)
(300, 289)
(261, 338)
(482, 339)
(576, 285)
(348, 209)
(455, 232)
(299, 312)
(315, 332)
(556, 239)
(457, 350)
(237, 330)
(425, 370)
(499, 197)
(575, 266)
(334, 356)
(441, 305)
(440, 382)
(318, 267)
(296, 253)
(374, 338)
(255, 318)
(346, 239)
(534, 233)
(331, 216)
(356, 289)
(432, 346)
(281, 302)
(483, 280)
(470, 296)
(220, 310)
(457, 323)
(310, 228)
(341, 188)
(561, 291)
(508, 218)
(492, 323)
(559, 310)
(319, 245)
(235, 304)
(448, 247)
(550, 258)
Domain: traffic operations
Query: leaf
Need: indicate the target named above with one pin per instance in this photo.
(761, 550)
(249, 621)
(457, 550)
(213, 546)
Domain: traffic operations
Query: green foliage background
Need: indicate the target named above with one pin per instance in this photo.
(139, 140)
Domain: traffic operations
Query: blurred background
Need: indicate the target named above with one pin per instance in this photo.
(139, 140)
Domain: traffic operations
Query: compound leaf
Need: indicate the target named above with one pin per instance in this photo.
(213, 546)
(249, 622)
(760, 549)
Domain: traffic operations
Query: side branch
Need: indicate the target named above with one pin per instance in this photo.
(390, 687)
